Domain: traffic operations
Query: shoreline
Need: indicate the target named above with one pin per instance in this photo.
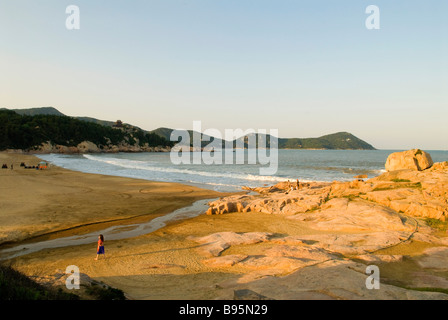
(231, 181)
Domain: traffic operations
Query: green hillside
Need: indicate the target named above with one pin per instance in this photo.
(26, 132)
(341, 140)
(164, 132)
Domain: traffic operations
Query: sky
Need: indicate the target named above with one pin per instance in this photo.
(306, 68)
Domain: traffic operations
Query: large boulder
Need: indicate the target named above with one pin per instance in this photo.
(415, 159)
(88, 147)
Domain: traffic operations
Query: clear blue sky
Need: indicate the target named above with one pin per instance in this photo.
(306, 68)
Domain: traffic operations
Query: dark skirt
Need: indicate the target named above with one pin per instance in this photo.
(101, 250)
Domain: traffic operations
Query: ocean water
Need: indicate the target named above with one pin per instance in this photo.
(305, 165)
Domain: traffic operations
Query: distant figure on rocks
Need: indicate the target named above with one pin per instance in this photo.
(100, 248)
(290, 188)
(298, 184)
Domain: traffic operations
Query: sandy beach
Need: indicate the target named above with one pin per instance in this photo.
(37, 202)
(275, 256)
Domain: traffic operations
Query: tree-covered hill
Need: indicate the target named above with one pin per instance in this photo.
(28, 132)
(341, 140)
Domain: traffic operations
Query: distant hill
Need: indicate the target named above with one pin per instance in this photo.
(50, 111)
(38, 111)
(340, 140)
(97, 121)
(164, 132)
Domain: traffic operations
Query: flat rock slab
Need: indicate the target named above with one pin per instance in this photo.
(340, 214)
(216, 243)
(341, 280)
(435, 258)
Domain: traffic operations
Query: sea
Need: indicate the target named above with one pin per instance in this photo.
(304, 165)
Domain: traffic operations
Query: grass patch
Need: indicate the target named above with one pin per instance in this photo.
(416, 185)
(313, 209)
(437, 224)
(429, 289)
(350, 197)
(327, 198)
(400, 180)
(14, 285)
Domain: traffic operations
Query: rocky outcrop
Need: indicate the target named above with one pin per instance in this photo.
(215, 243)
(329, 280)
(317, 266)
(415, 159)
(274, 200)
(343, 214)
(384, 199)
(90, 147)
(355, 224)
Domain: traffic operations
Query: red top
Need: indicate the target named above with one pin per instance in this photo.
(100, 243)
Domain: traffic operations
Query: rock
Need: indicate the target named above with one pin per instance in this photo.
(269, 266)
(439, 166)
(224, 261)
(341, 214)
(215, 243)
(425, 280)
(372, 258)
(88, 147)
(304, 253)
(355, 244)
(435, 258)
(355, 220)
(334, 279)
(272, 201)
(59, 278)
(406, 190)
(415, 159)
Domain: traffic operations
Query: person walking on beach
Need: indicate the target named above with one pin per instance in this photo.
(100, 248)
